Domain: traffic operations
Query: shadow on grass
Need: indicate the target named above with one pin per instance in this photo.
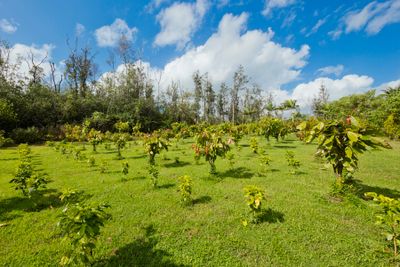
(165, 186)
(283, 146)
(363, 188)
(202, 200)
(49, 198)
(176, 164)
(137, 157)
(239, 172)
(8, 159)
(271, 216)
(140, 252)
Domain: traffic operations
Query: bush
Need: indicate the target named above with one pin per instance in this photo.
(254, 197)
(30, 135)
(185, 189)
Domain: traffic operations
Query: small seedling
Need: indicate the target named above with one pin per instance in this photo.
(185, 189)
(293, 163)
(254, 197)
(125, 168)
(103, 166)
(254, 145)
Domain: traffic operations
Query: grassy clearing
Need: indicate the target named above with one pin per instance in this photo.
(150, 227)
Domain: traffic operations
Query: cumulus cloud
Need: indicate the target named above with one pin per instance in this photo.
(179, 22)
(384, 86)
(109, 35)
(348, 84)
(21, 55)
(268, 63)
(328, 70)
(79, 29)
(273, 4)
(372, 18)
(8, 26)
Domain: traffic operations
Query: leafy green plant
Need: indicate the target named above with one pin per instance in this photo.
(91, 161)
(340, 143)
(265, 162)
(80, 225)
(293, 163)
(95, 138)
(125, 168)
(185, 189)
(103, 166)
(27, 180)
(391, 128)
(154, 145)
(231, 157)
(254, 145)
(120, 140)
(210, 146)
(389, 217)
(254, 197)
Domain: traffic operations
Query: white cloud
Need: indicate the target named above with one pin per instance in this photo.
(268, 63)
(316, 27)
(384, 86)
(328, 70)
(8, 26)
(349, 84)
(287, 22)
(110, 35)
(155, 4)
(372, 18)
(21, 55)
(179, 22)
(272, 4)
(79, 29)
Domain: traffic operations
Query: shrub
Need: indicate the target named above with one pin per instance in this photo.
(30, 135)
(125, 168)
(254, 145)
(254, 197)
(80, 225)
(389, 217)
(120, 140)
(103, 166)
(185, 189)
(95, 138)
(265, 161)
(210, 146)
(293, 163)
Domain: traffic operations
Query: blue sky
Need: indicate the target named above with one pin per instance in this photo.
(288, 47)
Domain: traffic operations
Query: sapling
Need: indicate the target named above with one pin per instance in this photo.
(265, 162)
(120, 140)
(153, 146)
(125, 168)
(254, 145)
(103, 166)
(293, 163)
(389, 217)
(211, 146)
(95, 138)
(80, 225)
(230, 156)
(254, 197)
(185, 189)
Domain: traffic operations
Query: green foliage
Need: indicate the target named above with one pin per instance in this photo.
(122, 127)
(210, 146)
(120, 140)
(273, 127)
(185, 189)
(341, 142)
(389, 217)
(125, 168)
(80, 225)
(254, 197)
(391, 128)
(25, 178)
(265, 162)
(230, 156)
(95, 138)
(91, 161)
(153, 171)
(154, 145)
(254, 145)
(30, 135)
(293, 163)
(103, 166)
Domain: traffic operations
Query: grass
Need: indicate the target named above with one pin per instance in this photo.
(302, 225)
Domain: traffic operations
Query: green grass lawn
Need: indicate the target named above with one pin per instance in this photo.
(149, 227)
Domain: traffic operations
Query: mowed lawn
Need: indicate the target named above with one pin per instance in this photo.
(149, 227)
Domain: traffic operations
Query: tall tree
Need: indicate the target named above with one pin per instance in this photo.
(319, 102)
(198, 93)
(222, 101)
(240, 81)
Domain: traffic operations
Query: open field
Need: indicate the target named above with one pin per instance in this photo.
(149, 227)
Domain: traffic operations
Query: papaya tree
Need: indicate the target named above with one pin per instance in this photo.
(211, 146)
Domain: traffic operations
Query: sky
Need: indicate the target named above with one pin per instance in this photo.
(288, 47)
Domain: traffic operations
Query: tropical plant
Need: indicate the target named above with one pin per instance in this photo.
(185, 189)
(293, 163)
(125, 168)
(80, 225)
(154, 145)
(95, 138)
(265, 162)
(254, 197)
(254, 145)
(389, 217)
(211, 146)
(119, 140)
